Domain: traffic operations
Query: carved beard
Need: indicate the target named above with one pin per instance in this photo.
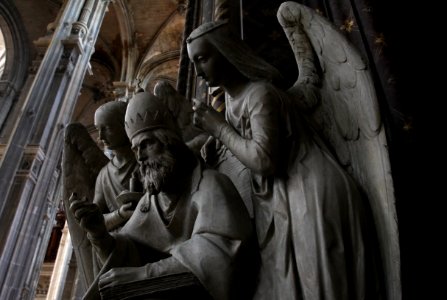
(156, 171)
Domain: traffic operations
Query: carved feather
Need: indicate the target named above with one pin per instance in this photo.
(81, 163)
(182, 111)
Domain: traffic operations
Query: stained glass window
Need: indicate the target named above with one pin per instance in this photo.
(2, 53)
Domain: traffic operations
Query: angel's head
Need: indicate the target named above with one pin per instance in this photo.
(109, 121)
(158, 152)
(156, 141)
(219, 55)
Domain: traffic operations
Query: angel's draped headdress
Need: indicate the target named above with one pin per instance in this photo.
(238, 53)
(147, 112)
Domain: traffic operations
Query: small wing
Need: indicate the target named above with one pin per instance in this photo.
(343, 103)
(81, 163)
(182, 111)
(178, 105)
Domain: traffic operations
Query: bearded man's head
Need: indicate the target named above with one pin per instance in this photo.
(159, 167)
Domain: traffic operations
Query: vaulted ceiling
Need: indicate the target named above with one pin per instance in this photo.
(138, 44)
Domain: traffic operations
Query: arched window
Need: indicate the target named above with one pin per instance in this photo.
(2, 53)
(14, 57)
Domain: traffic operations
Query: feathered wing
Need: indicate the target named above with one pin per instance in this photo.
(82, 161)
(344, 104)
(182, 111)
(178, 105)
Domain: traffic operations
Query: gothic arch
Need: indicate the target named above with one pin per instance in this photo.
(163, 66)
(161, 57)
(17, 50)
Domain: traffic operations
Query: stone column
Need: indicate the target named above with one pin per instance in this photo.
(186, 71)
(31, 156)
(61, 266)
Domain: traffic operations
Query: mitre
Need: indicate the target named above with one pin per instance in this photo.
(146, 111)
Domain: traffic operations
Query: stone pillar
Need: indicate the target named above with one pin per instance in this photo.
(31, 156)
(186, 71)
(61, 266)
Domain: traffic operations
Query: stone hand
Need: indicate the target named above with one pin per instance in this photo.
(88, 216)
(208, 119)
(126, 210)
(117, 276)
(209, 149)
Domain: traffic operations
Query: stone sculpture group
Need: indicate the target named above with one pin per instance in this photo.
(281, 205)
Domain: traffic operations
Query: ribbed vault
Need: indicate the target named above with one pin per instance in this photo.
(138, 44)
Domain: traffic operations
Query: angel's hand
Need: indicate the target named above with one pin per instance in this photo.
(88, 216)
(209, 149)
(126, 210)
(117, 276)
(208, 119)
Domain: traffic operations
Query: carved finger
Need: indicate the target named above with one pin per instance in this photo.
(81, 209)
(194, 104)
(199, 105)
(196, 120)
(127, 206)
(73, 197)
(203, 153)
(107, 279)
(77, 203)
(84, 211)
(104, 281)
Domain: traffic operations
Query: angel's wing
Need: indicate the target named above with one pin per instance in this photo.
(175, 102)
(182, 111)
(344, 104)
(82, 161)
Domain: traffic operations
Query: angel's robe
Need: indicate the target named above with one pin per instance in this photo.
(309, 215)
(207, 231)
(111, 181)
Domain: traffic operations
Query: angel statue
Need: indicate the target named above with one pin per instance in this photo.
(317, 159)
(223, 160)
(112, 184)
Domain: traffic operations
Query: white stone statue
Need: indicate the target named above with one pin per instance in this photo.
(313, 152)
(113, 184)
